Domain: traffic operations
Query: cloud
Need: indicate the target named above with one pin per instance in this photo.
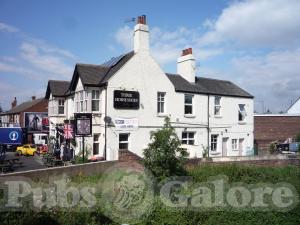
(273, 78)
(258, 23)
(166, 46)
(8, 28)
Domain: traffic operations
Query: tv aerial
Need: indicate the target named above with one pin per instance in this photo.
(130, 20)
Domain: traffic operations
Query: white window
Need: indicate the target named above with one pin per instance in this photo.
(217, 108)
(77, 101)
(214, 142)
(95, 100)
(61, 106)
(188, 104)
(161, 102)
(188, 138)
(96, 144)
(81, 101)
(234, 144)
(123, 141)
(242, 112)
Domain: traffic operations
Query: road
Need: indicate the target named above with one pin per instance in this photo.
(28, 162)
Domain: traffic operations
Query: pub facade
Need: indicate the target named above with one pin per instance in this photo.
(130, 95)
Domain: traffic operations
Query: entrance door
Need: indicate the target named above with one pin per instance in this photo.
(224, 146)
(241, 146)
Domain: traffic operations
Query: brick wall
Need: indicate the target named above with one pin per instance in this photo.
(271, 128)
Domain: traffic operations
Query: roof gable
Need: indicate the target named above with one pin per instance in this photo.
(57, 88)
(97, 75)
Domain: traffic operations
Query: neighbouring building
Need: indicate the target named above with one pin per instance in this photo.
(130, 95)
(31, 115)
(294, 108)
(270, 128)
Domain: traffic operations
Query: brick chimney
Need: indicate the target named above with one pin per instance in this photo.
(186, 65)
(141, 35)
(33, 98)
(14, 103)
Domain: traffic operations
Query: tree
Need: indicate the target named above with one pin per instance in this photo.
(164, 157)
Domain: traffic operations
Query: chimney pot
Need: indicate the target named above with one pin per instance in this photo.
(14, 103)
(33, 98)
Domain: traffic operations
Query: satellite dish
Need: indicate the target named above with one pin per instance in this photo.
(107, 119)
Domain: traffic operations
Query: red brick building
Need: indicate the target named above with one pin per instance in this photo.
(274, 127)
(21, 115)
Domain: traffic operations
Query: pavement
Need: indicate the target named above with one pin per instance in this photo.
(28, 162)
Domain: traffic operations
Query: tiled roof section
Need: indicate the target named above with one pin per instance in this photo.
(57, 88)
(97, 75)
(23, 106)
(207, 86)
(91, 74)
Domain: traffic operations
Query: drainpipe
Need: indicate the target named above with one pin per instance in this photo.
(105, 123)
(208, 116)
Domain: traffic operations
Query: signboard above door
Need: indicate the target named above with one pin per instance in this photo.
(126, 99)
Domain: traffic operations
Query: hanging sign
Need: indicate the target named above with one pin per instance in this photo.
(83, 124)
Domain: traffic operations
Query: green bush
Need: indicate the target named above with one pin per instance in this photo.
(163, 216)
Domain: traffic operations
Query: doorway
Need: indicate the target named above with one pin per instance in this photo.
(224, 146)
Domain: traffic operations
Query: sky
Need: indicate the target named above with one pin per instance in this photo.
(253, 43)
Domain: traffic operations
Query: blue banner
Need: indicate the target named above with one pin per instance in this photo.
(11, 135)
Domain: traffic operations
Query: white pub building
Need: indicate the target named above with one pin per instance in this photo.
(130, 96)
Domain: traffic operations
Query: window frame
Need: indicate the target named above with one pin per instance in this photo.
(189, 105)
(94, 98)
(217, 105)
(214, 142)
(161, 102)
(124, 142)
(97, 142)
(189, 140)
(61, 106)
(240, 113)
(234, 146)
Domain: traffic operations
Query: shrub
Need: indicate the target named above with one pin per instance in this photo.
(164, 157)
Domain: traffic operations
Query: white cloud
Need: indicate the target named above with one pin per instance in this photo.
(8, 28)
(261, 23)
(273, 78)
(166, 46)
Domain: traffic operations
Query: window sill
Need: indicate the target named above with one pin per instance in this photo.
(162, 115)
(242, 122)
(214, 152)
(189, 116)
(218, 116)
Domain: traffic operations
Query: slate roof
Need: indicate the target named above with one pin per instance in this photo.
(57, 88)
(207, 86)
(23, 106)
(97, 75)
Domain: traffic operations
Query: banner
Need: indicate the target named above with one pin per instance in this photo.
(37, 121)
(126, 123)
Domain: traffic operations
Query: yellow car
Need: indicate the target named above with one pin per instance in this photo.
(26, 150)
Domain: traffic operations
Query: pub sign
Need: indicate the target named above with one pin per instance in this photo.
(126, 99)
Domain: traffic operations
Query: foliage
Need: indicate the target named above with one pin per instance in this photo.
(204, 151)
(161, 215)
(272, 148)
(164, 157)
(298, 137)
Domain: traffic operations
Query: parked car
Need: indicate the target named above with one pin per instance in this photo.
(26, 150)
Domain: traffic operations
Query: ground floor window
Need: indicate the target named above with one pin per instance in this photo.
(123, 141)
(96, 144)
(234, 144)
(214, 142)
(188, 138)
